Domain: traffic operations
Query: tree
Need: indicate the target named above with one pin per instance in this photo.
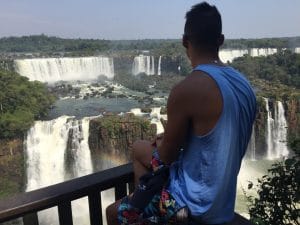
(21, 102)
(278, 200)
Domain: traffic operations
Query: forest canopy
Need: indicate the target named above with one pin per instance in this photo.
(43, 43)
(21, 102)
(283, 68)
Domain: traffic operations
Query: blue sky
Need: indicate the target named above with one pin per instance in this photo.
(139, 19)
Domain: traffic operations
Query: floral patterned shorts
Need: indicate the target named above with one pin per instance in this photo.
(161, 209)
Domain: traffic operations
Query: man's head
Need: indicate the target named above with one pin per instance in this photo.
(203, 28)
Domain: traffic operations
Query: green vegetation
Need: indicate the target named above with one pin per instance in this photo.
(43, 43)
(168, 47)
(280, 68)
(141, 82)
(11, 180)
(115, 125)
(21, 102)
(278, 200)
(262, 43)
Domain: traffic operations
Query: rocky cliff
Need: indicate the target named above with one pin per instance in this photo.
(11, 166)
(115, 135)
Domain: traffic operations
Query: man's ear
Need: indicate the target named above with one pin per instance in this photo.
(221, 40)
(185, 41)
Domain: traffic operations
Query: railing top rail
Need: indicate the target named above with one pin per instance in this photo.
(50, 196)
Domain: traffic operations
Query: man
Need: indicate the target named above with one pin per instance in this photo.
(210, 116)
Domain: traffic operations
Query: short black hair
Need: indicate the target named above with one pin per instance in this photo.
(203, 27)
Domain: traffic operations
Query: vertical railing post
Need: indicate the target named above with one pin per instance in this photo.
(65, 213)
(31, 219)
(95, 208)
(120, 191)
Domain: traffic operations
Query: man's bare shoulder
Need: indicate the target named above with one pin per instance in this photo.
(197, 84)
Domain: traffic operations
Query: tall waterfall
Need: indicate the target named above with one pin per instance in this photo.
(66, 69)
(57, 150)
(251, 150)
(280, 131)
(276, 132)
(47, 146)
(143, 64)
(159, 66)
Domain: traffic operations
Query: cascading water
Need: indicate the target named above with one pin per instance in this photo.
(270, 128)
(65, 69)
(280, 131)
(276, 132)
(254, 52)
(58, 150)
(251, 146)
(143, 64)
(159, 66)
(228, 55)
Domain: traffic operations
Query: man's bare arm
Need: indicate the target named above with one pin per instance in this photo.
(177, 125)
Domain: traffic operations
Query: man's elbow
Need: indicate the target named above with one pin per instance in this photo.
(168, 154)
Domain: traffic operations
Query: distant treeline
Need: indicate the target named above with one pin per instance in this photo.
(45, 44)
(280, 68)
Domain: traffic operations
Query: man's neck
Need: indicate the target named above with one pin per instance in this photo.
(208, 58)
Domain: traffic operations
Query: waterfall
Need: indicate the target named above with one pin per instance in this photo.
(46, 149)
(57, 150)
(155, 117)
(269, 131)
(143, 64)
(159, 66)
(276, 132)
(280, 131)
(254, 52)
(227, 55)
(251, 149)
(297, 50)
(66, 69)
(152, 65)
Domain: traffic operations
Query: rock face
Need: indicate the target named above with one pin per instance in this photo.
(11, 167)
(293, 119)
(293, 116)
(260, 127)
(114, 134)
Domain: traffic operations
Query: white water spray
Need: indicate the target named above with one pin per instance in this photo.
(228, 55)
(159, 66)
(143, 64)
(65, 69)
(48, 145)
(251, 149)
(276, 132)
(280, 131)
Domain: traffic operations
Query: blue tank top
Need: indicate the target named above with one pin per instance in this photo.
(204, 177)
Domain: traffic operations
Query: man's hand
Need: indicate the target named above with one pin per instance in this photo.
(157, 141)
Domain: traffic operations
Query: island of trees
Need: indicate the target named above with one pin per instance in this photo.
(21, 102)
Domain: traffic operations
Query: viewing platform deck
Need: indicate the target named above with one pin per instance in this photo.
(27, 205)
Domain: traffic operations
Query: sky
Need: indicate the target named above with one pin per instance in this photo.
(144, 19)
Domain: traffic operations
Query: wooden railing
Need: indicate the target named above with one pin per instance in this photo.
(27, 205)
